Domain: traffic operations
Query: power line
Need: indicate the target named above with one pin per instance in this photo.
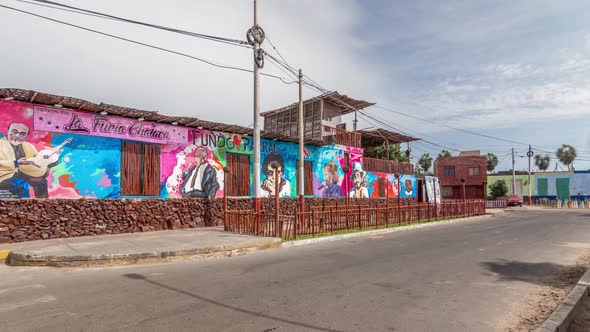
(209, 62)
(83, 11)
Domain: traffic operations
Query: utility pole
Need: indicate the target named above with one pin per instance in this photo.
(255, 38)
(300, 169)
(530, 154)
(513, 175)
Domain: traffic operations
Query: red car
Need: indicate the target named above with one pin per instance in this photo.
(514, 201)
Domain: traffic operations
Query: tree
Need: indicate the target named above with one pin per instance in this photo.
(566, 155)
(425, 162)
(498, 189)
(542, 162)
(492, 161)
(395, 153)
(445, 153)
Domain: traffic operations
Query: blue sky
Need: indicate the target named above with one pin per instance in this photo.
(511, 69)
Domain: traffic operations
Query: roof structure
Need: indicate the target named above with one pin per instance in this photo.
(31, 96)
(376, 137)
(346, 103)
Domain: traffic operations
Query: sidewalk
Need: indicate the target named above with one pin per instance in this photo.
(134, 248)
(163, 246)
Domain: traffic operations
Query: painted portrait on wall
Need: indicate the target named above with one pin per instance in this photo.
(359, 181)
(199, 180)
(41, 164)
(273, 162)
(408, 185)
(18, 164)
(330, 186)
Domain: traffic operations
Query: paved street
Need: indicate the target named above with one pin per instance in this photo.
(454, 277)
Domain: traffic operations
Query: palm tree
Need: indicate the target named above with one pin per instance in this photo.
(445, 153)
(492, 161)
(566, 155)
(542, 162)
(425, 162)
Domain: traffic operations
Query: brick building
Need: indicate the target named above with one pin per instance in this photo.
(471, 166)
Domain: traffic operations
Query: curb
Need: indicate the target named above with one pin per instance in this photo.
(24, 259)
(564, 314)
(3, 255)
(298, 243)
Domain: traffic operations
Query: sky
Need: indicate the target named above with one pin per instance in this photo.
(517, 70)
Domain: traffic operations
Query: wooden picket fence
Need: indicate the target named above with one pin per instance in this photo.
(333, 219)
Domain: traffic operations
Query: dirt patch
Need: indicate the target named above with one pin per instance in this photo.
(544, 297)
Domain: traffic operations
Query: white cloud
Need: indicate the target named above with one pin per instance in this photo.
(57, 59)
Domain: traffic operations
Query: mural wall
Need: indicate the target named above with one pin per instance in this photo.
(41, 164)
(61, 153)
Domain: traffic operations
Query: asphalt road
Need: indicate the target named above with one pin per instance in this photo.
(453, 277)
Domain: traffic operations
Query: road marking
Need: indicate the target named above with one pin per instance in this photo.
(18, 305)
(6, 290)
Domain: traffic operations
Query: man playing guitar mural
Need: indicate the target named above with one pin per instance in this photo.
(19, 165)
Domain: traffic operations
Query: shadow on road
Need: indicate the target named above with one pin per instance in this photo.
(545, 274)
(136, 276)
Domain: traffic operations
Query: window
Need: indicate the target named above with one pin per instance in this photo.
(140, 169)
(308, 174)
(447, 191)
(449, 170)
(238, 183)
(473, 171)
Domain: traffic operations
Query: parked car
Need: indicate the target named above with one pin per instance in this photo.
(514, 200)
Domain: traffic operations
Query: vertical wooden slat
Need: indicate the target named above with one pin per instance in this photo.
(151, 170)
(239, 174)
(308, 173)
(130, 167)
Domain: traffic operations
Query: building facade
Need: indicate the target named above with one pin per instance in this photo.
(58, 152)
(563, 185)
(522, 183)
(471, 167)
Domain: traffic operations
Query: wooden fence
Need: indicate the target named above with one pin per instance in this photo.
(332, 219)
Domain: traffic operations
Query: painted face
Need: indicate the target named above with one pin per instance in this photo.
(270, 172)
(17, 133)
(200, 157)
(357, 179)
(328, 177)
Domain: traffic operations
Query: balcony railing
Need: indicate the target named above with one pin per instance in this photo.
(342, 137)
(387, 166)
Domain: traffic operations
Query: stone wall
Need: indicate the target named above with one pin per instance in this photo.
(32, 219)
(37, 219)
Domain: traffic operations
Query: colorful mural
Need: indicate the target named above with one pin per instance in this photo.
(40, 164)
(61, 153)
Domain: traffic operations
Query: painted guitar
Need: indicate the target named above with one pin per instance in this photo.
(44, 160)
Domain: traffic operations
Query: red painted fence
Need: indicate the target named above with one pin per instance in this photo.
(331, 219)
